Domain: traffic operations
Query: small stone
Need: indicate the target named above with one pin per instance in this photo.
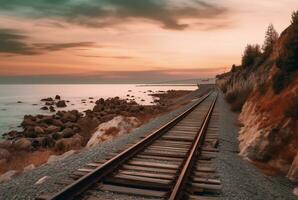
(19, 102)
(57, 97)
(52, 109)
(47, 99)
(295, 191)
(7, 176)
(49, 103)
(44, 108)
(29, 168)
(41, 180)
(54, 158)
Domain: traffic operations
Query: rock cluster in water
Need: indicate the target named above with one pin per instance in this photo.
(66, 130)
(51, 103)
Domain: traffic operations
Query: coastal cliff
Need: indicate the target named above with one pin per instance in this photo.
(265, 92)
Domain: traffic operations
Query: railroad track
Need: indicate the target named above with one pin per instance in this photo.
(174, 162)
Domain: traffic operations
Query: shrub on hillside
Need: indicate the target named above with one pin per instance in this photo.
(278, 82)
(262, 88)
(237, 98)
(251, 55)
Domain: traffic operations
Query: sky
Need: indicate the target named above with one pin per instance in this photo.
(131, 40)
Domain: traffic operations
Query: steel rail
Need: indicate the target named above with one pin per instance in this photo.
(178, 189)
(82, 184)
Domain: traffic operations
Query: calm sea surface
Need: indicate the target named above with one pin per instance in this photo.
(11, 112)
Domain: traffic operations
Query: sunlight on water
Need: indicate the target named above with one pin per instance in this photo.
(11, 112)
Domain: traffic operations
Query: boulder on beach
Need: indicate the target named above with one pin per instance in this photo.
(47, 99)
(57, 122)
(69, 116)
(6, 144)
(38, 130)
(29, 121)
(22, 144)
(61, 104)
(67, 133)
(43, 142)
(4, 154)
(67, 144)
(117, 126)
(52, 129)
(48, 119)
(57, 97)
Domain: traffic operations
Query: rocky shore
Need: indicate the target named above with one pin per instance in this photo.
(44, 137)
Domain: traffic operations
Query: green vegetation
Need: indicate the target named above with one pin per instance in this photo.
(241, 80)
(254, 56)
(251, 55)
(270, 39)
(237, 98)
(287, 62)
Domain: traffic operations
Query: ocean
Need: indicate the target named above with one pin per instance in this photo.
(29, 96)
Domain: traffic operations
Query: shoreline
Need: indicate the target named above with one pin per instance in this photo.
(24, 186)
(46, 136)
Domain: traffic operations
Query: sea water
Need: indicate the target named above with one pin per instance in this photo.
(29, 96)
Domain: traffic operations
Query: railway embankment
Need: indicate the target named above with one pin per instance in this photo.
(264, 91)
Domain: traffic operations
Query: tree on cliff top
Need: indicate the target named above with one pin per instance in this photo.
(270, 39)
(251, 55)
(287, 61)
(295, 17)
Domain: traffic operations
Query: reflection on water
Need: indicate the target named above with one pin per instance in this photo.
(11, 112)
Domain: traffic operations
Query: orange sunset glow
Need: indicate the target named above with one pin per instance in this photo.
(172, 39)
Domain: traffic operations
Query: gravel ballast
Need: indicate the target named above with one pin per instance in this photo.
(241, 180)
(23, 186)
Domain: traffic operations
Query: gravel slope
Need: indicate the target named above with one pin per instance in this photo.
(23, 187)
(241, 180)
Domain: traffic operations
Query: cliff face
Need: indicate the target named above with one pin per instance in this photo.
(269, 132)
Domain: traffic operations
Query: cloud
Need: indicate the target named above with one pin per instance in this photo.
(62, 46)
(103, 13)
(112, 57)
(14, 42)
